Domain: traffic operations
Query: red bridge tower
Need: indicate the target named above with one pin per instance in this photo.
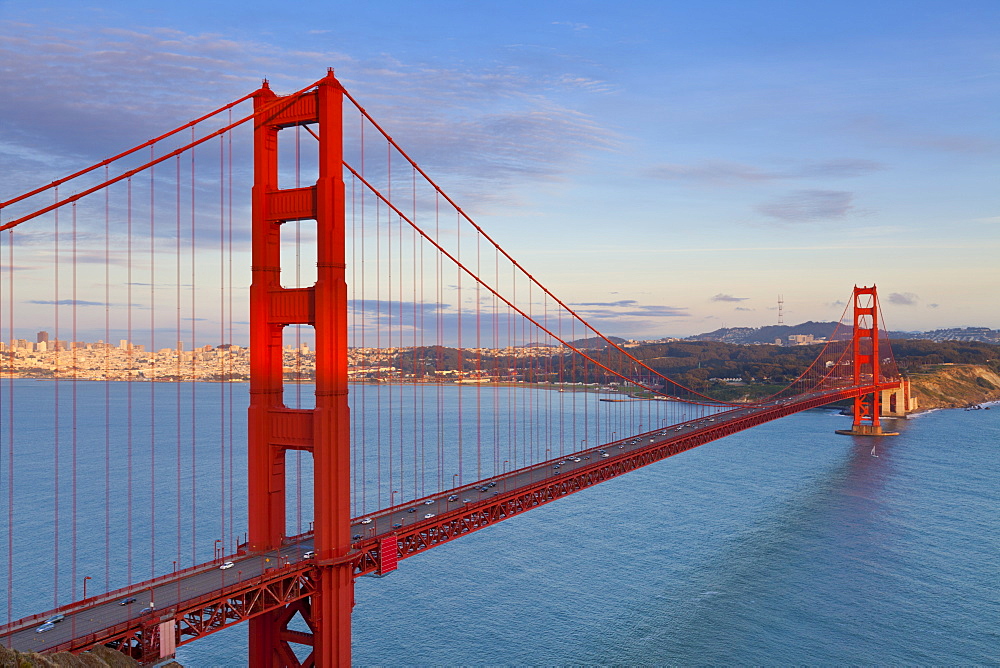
(273, 428)
(867, 369)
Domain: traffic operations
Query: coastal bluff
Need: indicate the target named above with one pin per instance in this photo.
(954, 386)
(98, 657)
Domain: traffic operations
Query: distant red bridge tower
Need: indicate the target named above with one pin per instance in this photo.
(867, 364)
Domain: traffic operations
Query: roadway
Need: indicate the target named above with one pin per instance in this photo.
(151, 601)
(403, 517)
(162, 599)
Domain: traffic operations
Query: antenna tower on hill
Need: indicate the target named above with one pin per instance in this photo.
(781, 307)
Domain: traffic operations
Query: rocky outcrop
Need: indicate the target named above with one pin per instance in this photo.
(954, 386)
(99, 657)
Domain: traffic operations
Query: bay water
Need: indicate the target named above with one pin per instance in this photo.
(784, 544)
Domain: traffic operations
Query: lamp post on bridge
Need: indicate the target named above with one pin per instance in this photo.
(217, 549)
(85, 586)
(392, 497)
(454, 478)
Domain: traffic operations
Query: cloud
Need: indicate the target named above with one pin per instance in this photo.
(741, 308)
(890, 131)
(484, 129)
(623, 302)
(571, 24)
(640, 312)
(809, 206)
(728, 298)
(933, 305)
(65, 302)
(903, 298)
(722, 173)
(416, 323)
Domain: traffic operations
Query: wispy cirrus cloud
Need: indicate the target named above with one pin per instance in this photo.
(876, 129)
(724, 173)
(572, 25)
(65, 302)
(483, 129)
(808, 206)
(903, 298)
(728, 298)
(628, 309)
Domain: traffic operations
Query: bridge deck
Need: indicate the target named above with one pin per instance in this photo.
(205, 598)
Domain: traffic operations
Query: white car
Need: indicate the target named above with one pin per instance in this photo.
(367, 520)
(227, 565)
(428, 516)
(47, 626)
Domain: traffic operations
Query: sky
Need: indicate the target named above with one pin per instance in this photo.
(667, 168)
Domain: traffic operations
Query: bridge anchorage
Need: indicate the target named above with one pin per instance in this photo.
(525, 426)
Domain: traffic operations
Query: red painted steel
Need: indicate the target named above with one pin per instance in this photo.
(198, 617)
(324, 430)
(331, 451)
(387, 557)
(280, 593)
(445, 527)
(321, 590)
(867, 369)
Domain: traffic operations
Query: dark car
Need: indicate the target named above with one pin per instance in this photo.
(127, 601)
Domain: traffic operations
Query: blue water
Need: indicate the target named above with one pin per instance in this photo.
(785, 544)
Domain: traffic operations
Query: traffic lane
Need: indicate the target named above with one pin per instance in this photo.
(381, 523)
(162, 597)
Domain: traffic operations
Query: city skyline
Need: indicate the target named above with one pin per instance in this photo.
(665, 169)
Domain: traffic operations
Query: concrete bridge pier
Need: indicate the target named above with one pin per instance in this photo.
(895, 402)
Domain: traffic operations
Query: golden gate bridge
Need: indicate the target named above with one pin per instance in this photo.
(448, 388)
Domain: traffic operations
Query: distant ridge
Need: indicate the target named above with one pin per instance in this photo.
(596, 342)
(823, 330)
(768, 334)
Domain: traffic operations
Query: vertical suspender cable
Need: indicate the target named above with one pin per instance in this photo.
(10, 431)
(222, 339)
(193, 421)
(152, 357)
(353, 341)
(378, 346)
(388, 322)
(73, 358)
(461, 361)
(229, 325)
(298, 335)
(55, 432)
(107, 385)
(128, 381)
(177, 353)
(479, 370)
